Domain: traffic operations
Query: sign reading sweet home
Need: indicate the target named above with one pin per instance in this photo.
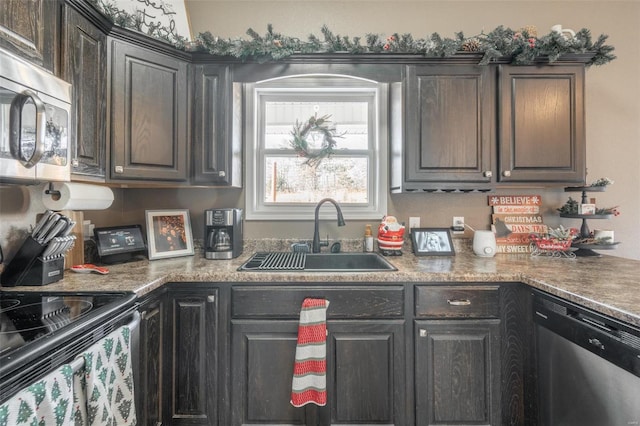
(170, 14)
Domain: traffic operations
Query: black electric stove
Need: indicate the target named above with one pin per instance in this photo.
(39, 330)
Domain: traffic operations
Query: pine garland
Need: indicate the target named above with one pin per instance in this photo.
(522, 46)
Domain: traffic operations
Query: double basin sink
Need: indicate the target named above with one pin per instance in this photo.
(317, 262)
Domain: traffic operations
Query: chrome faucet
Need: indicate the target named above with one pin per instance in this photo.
(315, 246)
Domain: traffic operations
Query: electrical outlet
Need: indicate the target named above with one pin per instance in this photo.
(414, 222)
(458, 225)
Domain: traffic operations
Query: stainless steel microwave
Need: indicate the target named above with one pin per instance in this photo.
(35, 109)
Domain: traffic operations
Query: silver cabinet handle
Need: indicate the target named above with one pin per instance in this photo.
(222, 173)
(211, 298)
(488, 173)
(423, 332)
(595, 342)
(459, 302)
(149, 313)
(119, 169)
(506, 173)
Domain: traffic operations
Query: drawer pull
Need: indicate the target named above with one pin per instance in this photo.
(459, 302)
(595, 342)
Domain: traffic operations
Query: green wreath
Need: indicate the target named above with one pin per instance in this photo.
(301, 132)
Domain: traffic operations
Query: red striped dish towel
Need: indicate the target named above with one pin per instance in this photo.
(309, 383)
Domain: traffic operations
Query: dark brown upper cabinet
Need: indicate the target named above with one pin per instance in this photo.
(542, 125)
(29, 28)
(149, 114)
(216, 148)
(449, 119)
(84, 65)
(470, 127)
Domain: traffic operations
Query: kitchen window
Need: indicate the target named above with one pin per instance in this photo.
(284, 185)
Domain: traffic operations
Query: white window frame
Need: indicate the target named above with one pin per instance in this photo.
(306, 85)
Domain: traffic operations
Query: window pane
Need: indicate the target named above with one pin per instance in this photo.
(289, 180)
(350, 119)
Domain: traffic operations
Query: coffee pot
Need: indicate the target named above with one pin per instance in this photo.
(223, 233)
(222, 240)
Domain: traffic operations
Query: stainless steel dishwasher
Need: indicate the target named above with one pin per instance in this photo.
(588, 366)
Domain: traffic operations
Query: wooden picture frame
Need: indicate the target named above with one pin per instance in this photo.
(169, 233)
(432, 242)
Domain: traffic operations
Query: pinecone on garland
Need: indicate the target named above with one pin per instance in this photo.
(471, 45)
(531, 30)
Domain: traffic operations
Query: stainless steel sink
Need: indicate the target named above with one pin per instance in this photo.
(317, 262)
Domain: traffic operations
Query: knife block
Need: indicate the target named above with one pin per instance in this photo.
(27, 268)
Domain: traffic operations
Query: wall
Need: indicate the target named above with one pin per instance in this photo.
(612, 91)
(612, 104)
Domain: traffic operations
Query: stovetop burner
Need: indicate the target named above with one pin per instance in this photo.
(40, 330)
(26, 317)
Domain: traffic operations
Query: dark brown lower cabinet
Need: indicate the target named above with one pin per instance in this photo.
(457, 371)
(262, 355)
(223, 354)
(366, 361)
(193, 395)
(365, 364)
(149, 384)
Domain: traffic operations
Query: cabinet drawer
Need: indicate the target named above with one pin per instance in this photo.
(457, 301)
(277, 302)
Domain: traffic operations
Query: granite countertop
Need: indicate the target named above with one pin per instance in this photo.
(607, 284)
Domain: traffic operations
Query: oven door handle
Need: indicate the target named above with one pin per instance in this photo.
(78, 363)
(135, 321)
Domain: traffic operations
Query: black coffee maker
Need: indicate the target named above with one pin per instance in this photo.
(223, 233)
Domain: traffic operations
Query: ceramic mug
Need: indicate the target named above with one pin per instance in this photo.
(566, 32)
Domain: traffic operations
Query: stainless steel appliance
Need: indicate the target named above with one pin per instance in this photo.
(223, 233)
(588, 366)
(40, 331)
(34, 123)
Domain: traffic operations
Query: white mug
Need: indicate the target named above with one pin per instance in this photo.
(565, 32)
(484, 243)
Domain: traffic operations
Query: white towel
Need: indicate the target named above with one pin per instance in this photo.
(109, 381)
(47, 402)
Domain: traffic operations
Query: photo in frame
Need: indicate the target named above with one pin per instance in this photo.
(432, 242)
(169, 233)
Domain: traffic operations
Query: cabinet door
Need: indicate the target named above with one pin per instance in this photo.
(449, 126)
(262, 357)
(542, 134)
(152, 340)
(366, 372)
(29, 28)
(194, 359)
(212, 137)
(85, 67)
(149, 113)
(457, 372)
